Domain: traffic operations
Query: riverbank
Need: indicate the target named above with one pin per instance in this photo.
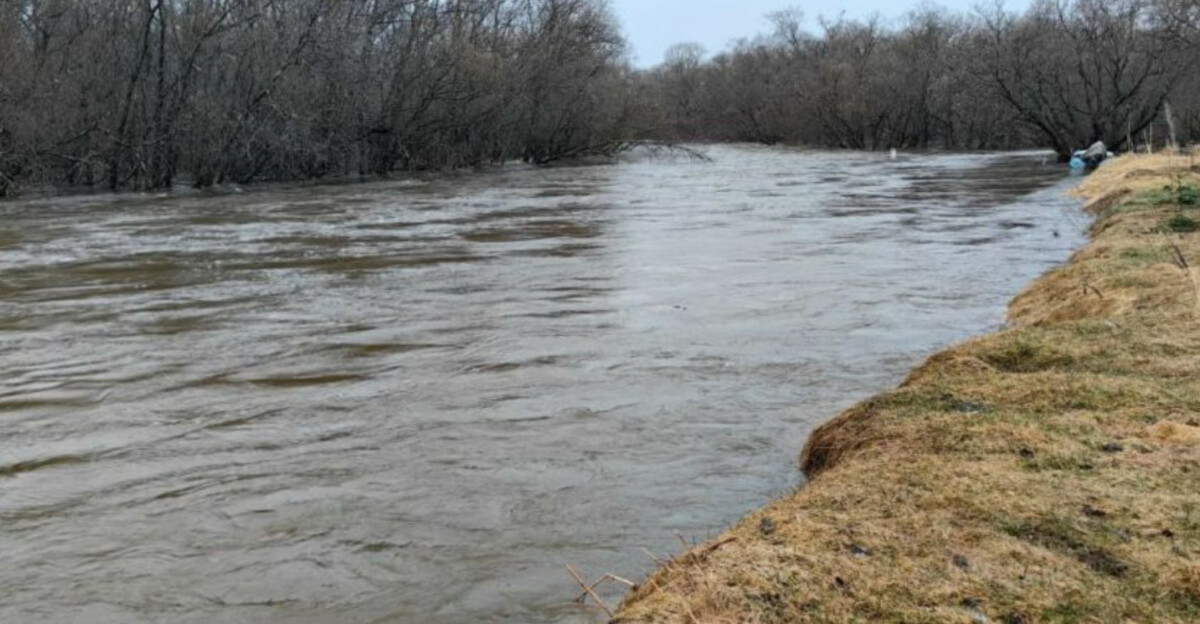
(1044, 473)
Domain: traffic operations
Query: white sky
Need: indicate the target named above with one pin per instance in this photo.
(652, 26)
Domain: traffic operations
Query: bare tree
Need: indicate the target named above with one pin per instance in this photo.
(141, 94)
(1081, 71)
(144, 93)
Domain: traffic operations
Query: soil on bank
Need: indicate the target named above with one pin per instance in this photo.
(1049, 472)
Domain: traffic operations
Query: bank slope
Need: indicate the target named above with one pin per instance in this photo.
(1049, 472)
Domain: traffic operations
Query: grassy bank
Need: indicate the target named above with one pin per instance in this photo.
(1049, 472)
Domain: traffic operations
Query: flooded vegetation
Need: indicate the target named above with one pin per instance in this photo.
(416, 401)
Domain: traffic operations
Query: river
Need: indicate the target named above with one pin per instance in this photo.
(416, 401)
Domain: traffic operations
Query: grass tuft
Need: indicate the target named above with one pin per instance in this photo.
(1182, 224)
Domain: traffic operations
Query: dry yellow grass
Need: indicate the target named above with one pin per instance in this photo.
(1046, 473)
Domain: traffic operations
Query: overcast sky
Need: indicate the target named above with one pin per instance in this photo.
(654, 25)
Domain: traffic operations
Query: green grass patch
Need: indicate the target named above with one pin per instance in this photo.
(1182, 224)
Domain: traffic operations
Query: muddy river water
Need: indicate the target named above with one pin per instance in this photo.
(417, 401)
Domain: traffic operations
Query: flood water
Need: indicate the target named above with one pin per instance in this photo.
(417, 401)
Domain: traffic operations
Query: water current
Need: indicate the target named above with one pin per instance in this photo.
(416, 401)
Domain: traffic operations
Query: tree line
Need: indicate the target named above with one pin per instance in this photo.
(1062, 75)
(146, 94)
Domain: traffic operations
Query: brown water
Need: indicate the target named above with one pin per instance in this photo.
(415, 402)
